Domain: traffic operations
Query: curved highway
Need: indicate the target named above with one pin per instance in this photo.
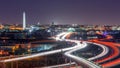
(104, 52)
(114, 54)
(79, 59)
(47, 53)
(104, 46)
(70, 50)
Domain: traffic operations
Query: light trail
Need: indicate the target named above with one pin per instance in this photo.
(43, 53)
(79, 59)
(115, 51)
(39, 54)
(61, 65)
(115, 44)
(111, 63)
(58, 37)
(72, 49)
(114, 62)
(104, 52)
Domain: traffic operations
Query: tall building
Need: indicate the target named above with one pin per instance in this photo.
(24, 20)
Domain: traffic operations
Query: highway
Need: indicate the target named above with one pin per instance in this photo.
(44, 53)
(112, 63)
(70, 50)
(39, 54)
(79, 59)
(104, 52)
(114, 54)
(109, 61)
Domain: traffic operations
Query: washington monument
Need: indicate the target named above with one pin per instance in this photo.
(24, 20)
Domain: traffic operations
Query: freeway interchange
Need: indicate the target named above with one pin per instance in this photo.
(107, 57)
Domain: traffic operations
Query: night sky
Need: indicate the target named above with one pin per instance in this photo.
(61, 11)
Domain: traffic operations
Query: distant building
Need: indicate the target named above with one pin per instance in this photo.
(71, 30)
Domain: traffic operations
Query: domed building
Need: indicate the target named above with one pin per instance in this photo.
(71, 30)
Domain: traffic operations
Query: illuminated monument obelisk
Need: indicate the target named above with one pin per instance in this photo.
(24, 20)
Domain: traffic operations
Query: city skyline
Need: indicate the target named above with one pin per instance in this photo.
(60, 11)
